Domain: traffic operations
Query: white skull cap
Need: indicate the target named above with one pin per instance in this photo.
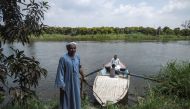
(71, 43)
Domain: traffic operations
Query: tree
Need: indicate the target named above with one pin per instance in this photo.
(20, 19)
(186, 24)
(186, 30)
(158, 31)
(177, 31)
(166, 30)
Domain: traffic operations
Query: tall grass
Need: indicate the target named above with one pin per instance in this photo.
(86, 103)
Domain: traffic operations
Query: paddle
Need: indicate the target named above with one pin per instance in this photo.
(140, 76)
(93, 72)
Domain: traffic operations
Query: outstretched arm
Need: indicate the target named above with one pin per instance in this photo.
(122, 65)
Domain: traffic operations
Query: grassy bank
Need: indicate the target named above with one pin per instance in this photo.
(158, 101)
(173, 92)
(107, 37)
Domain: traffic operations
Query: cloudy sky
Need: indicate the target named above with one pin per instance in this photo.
(118, 13)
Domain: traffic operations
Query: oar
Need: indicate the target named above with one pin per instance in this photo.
(93, 72)
(140, 76)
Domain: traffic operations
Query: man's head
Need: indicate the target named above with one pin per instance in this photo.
(115, 56)
(113, 65)
(71, 48)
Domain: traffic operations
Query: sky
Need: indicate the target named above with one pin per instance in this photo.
(117, 13)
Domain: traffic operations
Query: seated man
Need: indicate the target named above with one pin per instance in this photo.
(115, 60)
(112, 71)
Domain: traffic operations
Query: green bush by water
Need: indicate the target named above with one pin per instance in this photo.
(175, 79)
(173, 92)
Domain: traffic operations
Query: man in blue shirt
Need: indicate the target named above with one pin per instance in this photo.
(67, 78)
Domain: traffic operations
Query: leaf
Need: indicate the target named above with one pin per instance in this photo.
(10, 57)
(15, 81)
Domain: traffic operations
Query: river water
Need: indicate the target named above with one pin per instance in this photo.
(141, 58)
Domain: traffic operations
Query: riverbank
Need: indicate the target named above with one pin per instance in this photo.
(172, 92)
(108, 37)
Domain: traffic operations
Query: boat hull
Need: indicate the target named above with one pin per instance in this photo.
(110, 90)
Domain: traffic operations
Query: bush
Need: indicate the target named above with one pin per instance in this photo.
(175, 79)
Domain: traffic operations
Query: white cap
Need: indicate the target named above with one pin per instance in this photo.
(71, 43)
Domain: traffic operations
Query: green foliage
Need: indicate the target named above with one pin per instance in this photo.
(175, 79)
(177, 31)
(173, 90)
(25, 73)
(3, 68)
(167, 31)
(2, 96)
(115, 30)
(185, 32)
(107, 37)
(21, 19)
(34, 103)
(85, 102)
(111, 106)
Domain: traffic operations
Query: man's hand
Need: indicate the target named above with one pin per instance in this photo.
(81, 73)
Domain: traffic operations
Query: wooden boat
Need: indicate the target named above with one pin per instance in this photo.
(110, 90)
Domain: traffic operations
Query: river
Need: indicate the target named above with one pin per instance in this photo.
(142, 58)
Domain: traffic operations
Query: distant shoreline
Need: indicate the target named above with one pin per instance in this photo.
(109, 37)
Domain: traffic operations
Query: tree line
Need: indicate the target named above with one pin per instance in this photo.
(115, 30)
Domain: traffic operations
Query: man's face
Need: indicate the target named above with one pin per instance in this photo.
(71, 50)
(115, 56)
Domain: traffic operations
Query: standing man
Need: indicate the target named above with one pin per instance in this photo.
(67, 78)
